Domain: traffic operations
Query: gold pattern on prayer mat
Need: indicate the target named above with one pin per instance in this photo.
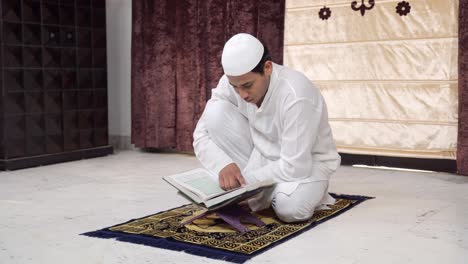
(213, 232)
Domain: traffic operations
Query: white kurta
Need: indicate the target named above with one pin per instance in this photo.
(292, 140)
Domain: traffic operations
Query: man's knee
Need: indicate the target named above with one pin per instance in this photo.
(291, 210)
(218, 114)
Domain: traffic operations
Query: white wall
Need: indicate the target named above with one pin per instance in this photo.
(119, 25)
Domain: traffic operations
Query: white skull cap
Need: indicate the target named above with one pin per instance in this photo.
(241, 53)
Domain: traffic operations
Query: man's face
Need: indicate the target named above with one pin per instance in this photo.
(252, 86)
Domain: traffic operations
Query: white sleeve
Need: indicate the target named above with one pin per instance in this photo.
(208, 153)
(301, 124)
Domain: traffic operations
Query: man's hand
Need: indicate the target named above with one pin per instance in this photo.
(230, 177)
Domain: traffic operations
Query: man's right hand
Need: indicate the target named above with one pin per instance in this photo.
(230, 177)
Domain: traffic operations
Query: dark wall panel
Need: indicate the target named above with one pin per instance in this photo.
(53, 79)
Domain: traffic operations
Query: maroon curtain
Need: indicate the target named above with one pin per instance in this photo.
(462, 146)
(176, 53)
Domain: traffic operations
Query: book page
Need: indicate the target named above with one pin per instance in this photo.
(199, 182)
(199, 186)
(237, 194)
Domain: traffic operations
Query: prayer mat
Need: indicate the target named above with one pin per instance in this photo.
(211, 237)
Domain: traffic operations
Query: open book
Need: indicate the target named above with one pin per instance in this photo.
(199, 186)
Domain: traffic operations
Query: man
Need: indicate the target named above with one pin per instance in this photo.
(267, 121)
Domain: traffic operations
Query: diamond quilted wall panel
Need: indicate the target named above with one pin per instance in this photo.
(53, 77)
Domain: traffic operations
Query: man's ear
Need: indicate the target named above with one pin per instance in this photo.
(268, 67)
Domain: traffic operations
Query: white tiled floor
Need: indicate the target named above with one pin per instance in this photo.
(416, 218)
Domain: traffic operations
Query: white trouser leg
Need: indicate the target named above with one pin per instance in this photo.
(301, 203)
(230, 131)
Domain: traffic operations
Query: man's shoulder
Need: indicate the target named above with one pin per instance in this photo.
(223, 80)
(296, 84)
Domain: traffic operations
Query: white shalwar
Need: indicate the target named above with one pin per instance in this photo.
(288, 139)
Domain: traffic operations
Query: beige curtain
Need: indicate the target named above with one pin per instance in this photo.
(390, 80)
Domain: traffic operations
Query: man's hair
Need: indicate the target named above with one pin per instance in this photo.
(266, 57)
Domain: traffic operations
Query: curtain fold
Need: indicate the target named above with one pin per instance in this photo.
(176, 50)
(462, 146)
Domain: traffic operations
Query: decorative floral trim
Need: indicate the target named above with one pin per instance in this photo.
(324, 13)
(403, 8)
(363, 6)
